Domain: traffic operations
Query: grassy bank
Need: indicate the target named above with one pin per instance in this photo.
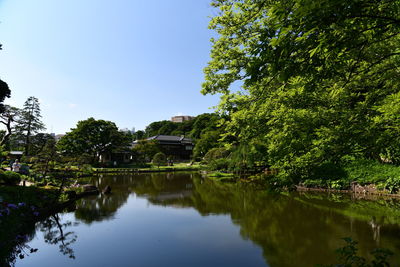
(221, 176)
(382, 176)
(150, 168)
(363, 172)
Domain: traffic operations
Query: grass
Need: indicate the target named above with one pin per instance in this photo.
(362, 171)
(177, 166)
(369, 171)
(152, 167)
(221, 176)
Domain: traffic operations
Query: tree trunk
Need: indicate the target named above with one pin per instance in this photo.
(7, 135)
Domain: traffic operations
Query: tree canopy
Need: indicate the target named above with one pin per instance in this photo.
(92, 137)
(318, 78)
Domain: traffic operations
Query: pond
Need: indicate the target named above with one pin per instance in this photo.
(182, 219)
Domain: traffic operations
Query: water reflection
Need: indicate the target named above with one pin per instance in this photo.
(55, 233)
(157, 187)
(298, 229)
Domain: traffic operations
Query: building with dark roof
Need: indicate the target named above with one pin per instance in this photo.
(174, 147)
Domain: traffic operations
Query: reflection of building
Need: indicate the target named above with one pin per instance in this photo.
(181, 118)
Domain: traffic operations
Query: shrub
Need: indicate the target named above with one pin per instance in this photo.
(215, 153)
(11, 178)
(87, 169)
(392, 184)
(160, 159)
(219, 164)
(5, 164)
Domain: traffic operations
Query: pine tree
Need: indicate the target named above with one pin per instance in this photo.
(30, 122)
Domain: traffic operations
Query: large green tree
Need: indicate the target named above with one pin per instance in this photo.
(313, 75)
(93, 137)
(29, 121)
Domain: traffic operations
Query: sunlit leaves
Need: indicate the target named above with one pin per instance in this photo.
(315, 75)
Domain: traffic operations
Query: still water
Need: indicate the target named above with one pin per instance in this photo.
(182, 219)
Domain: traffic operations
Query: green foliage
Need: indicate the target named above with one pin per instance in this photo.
(159, 159)
(207, 141)
(371, 171)
(348, 256)
(248, 156)
(193, 128)
(216, 153)
(221, 176)
(8, 117)
(92, 137)
(221, 164)
(86, 169)
(138, 135)
(38, 142)
(318, 79)
(206, 123)
(4, 92)
(393, 184)
(29, 121)
(47, 158)
(160, 127)
(333, 176)
(145, 150)
(10, 177)
(5, 164)
(205, 129)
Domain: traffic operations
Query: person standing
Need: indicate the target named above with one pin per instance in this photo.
(16, 166)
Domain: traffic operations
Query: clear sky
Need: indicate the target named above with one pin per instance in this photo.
(128, 61)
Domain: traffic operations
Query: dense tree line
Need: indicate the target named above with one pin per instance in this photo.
(191, 128)
(205, 129)
(320, 80)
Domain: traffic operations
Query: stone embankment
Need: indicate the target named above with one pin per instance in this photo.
(361, 191)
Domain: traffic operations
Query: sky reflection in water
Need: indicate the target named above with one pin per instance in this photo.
(183, 220)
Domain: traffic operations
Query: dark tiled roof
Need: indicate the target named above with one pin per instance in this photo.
(171, 138)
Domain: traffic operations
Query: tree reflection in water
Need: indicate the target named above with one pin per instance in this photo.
(55, 233)
(299, 229)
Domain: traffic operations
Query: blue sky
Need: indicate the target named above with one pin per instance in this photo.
(129, 61)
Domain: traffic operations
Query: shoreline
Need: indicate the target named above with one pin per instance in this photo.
(359, 194)
(133, 170)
